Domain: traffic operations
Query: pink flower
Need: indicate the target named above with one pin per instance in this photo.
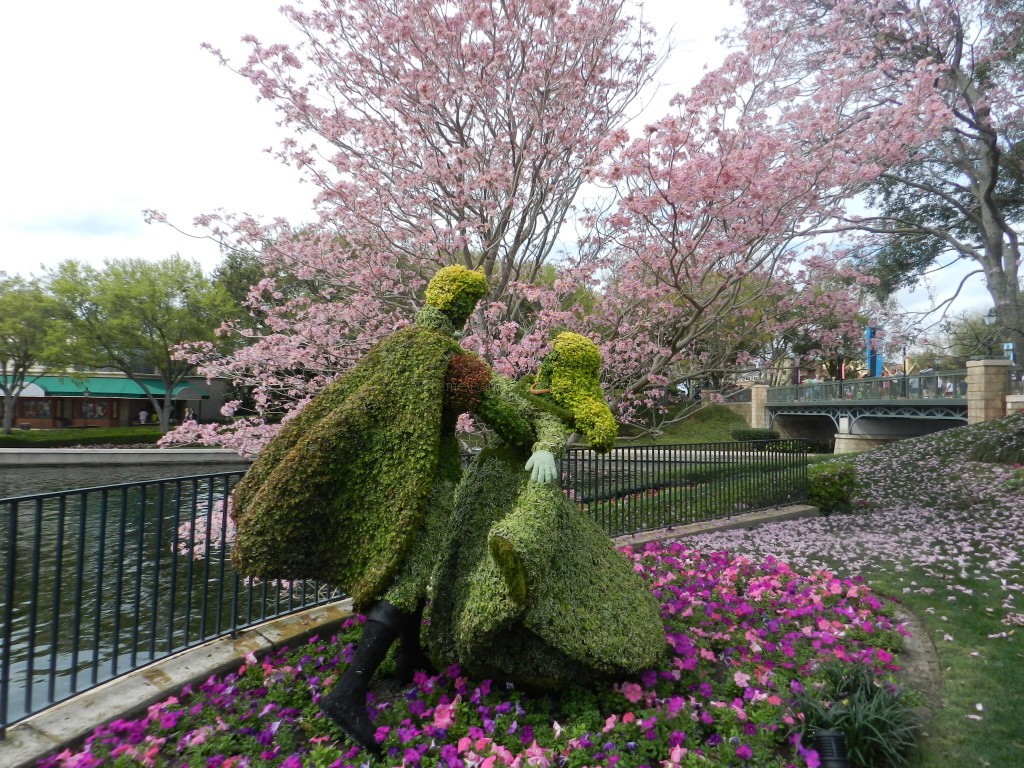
(632, 692)
(444, 714)
(536, 756)
(742, 679)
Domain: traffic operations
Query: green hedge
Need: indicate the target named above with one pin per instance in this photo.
(831, 486)
(744, 434)
(70, 438)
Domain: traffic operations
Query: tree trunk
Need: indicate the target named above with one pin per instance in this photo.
(165, 414)
(9, 402)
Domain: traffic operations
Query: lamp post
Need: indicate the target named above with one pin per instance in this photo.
(992, 318)
(904, 370)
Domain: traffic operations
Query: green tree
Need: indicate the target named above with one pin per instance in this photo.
(966, 335)
(135, 316)
(31, 338)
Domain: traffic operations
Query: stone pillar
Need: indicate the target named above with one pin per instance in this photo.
(987, 387)
(758, 409)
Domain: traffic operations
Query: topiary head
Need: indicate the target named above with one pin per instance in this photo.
(455, 291)
(571, 371)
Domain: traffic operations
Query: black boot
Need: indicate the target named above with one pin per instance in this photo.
(345, 704)
(410, 657)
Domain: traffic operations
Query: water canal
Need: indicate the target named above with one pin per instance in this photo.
(93, 583)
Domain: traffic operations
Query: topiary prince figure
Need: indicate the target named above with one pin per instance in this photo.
(357, 489)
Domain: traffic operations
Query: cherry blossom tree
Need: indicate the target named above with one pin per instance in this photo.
(927, 98)
(464, 131)
(716, 228)
(432, 132)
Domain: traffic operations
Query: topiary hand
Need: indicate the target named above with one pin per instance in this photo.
(542, 467)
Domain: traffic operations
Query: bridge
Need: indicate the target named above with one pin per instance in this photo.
(863, 413)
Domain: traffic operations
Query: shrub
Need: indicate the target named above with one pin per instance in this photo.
(876, 718)
(744, 434)
(787, 446)
(831, 486)
(68, 438)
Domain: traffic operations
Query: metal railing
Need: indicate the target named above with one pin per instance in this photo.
(97, 582)
(915, 386)
(631, 490)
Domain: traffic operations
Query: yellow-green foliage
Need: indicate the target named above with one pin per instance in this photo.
(343, 488)
(455, 291)
(572, 371)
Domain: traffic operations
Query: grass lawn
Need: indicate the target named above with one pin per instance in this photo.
(711, 424)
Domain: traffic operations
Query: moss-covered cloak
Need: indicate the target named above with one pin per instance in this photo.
(339, 493)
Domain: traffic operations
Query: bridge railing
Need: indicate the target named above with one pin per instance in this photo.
(915, 386)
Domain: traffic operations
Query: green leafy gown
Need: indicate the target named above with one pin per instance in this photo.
(529, 588)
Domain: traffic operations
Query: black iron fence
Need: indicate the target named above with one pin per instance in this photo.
(631, 490)
(99, 581)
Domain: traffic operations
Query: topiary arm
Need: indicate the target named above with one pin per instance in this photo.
(501, 410)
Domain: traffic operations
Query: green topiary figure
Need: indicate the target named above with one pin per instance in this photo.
(357, 489)
(530, 589)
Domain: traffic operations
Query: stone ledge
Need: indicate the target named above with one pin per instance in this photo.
(748, 520)
(74, 719)
(61, 457)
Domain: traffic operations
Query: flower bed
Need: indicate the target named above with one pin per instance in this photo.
(746, 641)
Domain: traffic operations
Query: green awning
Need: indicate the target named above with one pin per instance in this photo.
(105, 386)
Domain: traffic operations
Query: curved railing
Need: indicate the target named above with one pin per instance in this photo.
(99, 581)
(940, 385)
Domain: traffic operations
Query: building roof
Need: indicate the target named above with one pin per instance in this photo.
(107, 386)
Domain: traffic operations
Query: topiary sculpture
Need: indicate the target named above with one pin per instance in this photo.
(357, 489)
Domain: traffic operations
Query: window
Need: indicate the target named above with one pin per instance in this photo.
(35, 409)
(94, 409)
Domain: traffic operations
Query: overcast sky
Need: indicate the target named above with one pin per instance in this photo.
(112, 107)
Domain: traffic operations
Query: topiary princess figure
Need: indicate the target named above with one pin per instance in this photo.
(530, 589)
